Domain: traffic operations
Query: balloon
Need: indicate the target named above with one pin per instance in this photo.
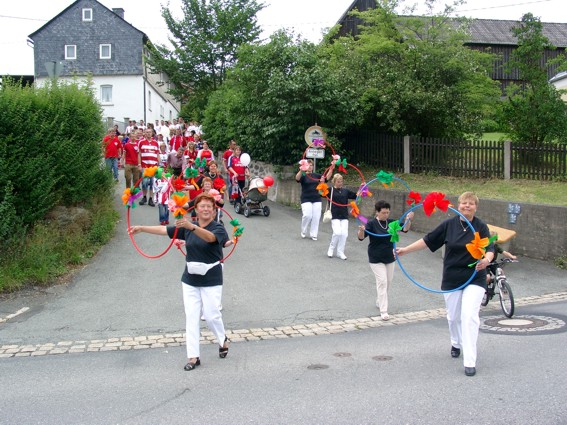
(268, 181)
(245, 159)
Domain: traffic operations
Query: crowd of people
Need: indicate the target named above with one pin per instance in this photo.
(206, 236)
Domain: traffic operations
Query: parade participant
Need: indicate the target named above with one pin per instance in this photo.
(130, 159)
(148, 156)
(112, 148)
(463, 306)
(311, 199)
(338, 199)
(203, 275)
(238, 172)
(381, 252)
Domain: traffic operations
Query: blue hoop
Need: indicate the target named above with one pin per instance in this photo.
(399, 221)
(419, 284)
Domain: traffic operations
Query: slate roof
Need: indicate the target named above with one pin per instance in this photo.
(493, 31)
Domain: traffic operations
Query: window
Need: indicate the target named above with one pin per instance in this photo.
(70, 51)
(161, 111)
(105, 51)
(149, 100)
(87, 15)
(106, 94)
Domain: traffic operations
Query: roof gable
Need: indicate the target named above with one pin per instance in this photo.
(96, 6)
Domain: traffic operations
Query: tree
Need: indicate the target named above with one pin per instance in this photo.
(533, 113)
(414, 75)
(273, 94)
(204, 42)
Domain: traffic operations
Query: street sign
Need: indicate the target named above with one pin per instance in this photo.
(315, 153)
(314, 132)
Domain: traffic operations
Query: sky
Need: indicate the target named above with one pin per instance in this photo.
(309, 18)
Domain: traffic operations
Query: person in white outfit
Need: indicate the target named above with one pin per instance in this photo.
(338, 199)
(311, 199)
(463, 306)
(203, 276)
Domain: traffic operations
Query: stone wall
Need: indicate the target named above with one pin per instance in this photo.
(541, 231)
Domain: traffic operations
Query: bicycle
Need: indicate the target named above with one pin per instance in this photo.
(498, 280)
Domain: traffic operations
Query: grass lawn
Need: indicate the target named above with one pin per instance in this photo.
(527, 191)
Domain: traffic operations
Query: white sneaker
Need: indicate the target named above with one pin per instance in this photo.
(342, 256)
(314, 238)
(385, 316)
(330, 253)
(302, 235)
(220, 307)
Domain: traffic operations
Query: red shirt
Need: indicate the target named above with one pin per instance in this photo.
(225, 156)
(175, 142)
(131, 152)
(149, 151)
(112, 146)
(234, 163)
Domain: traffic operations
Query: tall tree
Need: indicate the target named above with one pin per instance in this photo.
(533, 113)
(414, 75)
(205, 41)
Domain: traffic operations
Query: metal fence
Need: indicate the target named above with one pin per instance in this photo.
(458, 158)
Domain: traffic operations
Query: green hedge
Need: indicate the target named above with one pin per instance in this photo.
(50, 153)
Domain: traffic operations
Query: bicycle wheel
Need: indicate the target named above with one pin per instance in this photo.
(485, 299)
(506, 298)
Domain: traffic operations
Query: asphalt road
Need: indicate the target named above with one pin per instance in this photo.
(400, 374)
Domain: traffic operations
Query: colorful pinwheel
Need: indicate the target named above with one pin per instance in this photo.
(385, 178)
(435, 200)
(342, 163)
(363, 191)
(150, 171)
(201, 162)
(323, 189)
(393, 228)
(130, 195)
(414, 198)
(304, 165)
(318, 142)
(355, 211)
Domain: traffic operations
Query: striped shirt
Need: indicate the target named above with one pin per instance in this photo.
(149, 151)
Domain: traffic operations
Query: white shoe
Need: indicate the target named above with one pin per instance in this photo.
(342, 256)
(330, 253)
(385, 316)
(302, 235)
(314, 238)
(220, 307)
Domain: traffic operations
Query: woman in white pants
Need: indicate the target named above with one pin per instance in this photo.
(311, 199)
(463, 306)
(338, 198)
(202, 277)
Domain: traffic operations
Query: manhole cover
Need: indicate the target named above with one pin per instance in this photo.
(382, 358)
(317, 366)
(525, 324)
(342, 354)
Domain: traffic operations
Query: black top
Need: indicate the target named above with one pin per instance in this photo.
(380, 249)
(455, 234)
(309, 183)
(340, 196)
(203, 252)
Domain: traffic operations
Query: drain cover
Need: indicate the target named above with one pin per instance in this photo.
(526, 324)
(382, 358)
(342, 354)
(317, 366)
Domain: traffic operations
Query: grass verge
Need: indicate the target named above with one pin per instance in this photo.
(55, 248)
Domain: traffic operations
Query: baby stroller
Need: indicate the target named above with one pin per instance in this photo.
(252, 198)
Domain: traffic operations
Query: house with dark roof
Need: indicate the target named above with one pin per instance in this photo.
(89, 40)
(489, 35)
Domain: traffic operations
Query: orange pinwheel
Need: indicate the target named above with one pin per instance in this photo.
(150, 171)
(126, 196)
(355, 210)
(477, 247)
(180, 198)
(179, 212)
(323, 189)
(435, 200)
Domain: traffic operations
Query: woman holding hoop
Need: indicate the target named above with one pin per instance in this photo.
(202, 276)
(381, 252)
(462, 306)
(311, 198)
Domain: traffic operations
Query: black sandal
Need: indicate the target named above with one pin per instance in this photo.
(190, 366)
(223, 351)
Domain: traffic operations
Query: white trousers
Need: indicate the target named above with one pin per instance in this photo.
(340, 234)
(384, 274)
(207, 299)
(311, 215)
(463, 309)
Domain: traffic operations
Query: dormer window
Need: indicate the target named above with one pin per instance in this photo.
(105, 51)
(87, 15)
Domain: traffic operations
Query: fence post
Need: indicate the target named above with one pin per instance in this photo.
(507, 159)
(407, 166)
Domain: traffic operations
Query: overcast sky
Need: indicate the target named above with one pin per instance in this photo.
(18, 19)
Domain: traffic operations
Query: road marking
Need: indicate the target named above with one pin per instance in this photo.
(246, 335)
(11, 316)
